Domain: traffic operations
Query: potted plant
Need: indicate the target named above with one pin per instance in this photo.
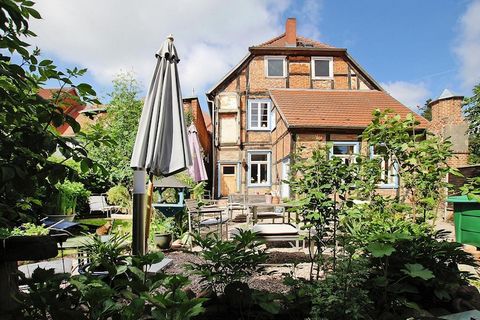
(268, 197)
(275, 197)
(66, 202)
(162, 232)
(104, 255)
(27, 242)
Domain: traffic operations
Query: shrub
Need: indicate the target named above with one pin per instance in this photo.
(343, 293)
(69, 194)
(119, 196)
(228, 261)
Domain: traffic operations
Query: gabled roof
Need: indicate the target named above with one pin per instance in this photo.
(47, 93)
(309, 108)
(281, 41)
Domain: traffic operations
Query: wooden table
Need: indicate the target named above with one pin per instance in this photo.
(253, 209)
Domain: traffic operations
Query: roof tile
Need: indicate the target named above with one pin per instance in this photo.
(335, 108)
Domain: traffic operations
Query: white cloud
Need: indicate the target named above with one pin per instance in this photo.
(468, 46)
(112, 35)
(410, 94)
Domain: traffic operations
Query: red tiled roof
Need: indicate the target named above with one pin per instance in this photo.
(48, 93)
(280, 41)
(335, 108)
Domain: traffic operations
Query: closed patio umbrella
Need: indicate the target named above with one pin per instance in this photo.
(161, 145)
(197, 169)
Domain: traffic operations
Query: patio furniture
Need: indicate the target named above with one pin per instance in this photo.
(274, 232)
(206, 216)
(98, 203)
(263, 210)
(236, 202)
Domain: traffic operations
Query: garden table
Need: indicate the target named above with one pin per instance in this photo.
(253, 210)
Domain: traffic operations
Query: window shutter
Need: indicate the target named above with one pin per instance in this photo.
(273, 119)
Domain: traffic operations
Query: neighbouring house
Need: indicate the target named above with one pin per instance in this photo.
(289, 92)
(69, 100)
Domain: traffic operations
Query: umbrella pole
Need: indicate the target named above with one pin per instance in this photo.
(138, 234)
(149, 210)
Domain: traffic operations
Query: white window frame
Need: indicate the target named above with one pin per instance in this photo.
(268, 163)
(356, 148)
(283, 58)
(330, 67)
(383, 185)
(269, 115)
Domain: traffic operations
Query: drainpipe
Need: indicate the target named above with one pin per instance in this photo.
(214, 145)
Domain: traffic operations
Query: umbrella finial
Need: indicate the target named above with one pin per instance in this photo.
(170, 37)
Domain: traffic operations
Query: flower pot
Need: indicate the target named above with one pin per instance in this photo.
(163, 240)
(268, 198)
(23, 248)
(275, 200)
(59, 217)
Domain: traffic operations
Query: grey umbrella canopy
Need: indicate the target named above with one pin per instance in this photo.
(161, 146)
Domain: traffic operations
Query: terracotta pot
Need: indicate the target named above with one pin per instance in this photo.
(276, 200)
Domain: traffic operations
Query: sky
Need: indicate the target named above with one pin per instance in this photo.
(414, 49)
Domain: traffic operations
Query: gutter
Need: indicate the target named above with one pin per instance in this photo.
(214, 146)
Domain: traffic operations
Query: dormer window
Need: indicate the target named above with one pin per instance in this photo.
(275, 67)
(322, 68)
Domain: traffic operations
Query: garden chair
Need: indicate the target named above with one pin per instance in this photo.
(236, 202)
(99, 204)
(205, 216)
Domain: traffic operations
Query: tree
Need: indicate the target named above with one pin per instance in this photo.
(119, 127)
(27, 132)
(472, 114)
(426, 110)
(421, 159)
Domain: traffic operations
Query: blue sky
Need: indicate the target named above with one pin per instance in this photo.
(415, 49)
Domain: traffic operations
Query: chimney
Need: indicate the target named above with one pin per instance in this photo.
(447, 122)
(291, 32)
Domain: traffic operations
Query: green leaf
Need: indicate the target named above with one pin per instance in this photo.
(270, 306)
(416, 270)
(379, 250)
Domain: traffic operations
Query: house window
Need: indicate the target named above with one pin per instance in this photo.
(275, 67)
(347, 151)
(259, 114)
(388, 168)
(259, 168)
(322, 68)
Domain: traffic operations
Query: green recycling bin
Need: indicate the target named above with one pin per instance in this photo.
(467, 220)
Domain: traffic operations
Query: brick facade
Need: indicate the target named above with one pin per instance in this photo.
(233, 141)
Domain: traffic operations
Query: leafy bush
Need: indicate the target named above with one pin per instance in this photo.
(106, 255)
(228, 261)
(169, 195)
(165, 225)
(129, 293)
(69, 194)
(26, 229)
(119, 196)
(343, 293)
(411, 265)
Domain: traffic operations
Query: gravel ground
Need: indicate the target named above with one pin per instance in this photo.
(278, 263)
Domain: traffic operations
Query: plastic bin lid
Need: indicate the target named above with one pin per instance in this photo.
(457, 199)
